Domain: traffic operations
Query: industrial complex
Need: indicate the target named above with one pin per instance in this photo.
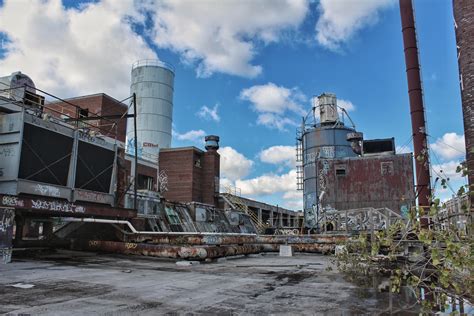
(95, 174)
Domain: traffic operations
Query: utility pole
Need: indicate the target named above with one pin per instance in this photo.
(135, 203)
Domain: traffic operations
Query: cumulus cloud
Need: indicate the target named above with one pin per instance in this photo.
(346, 105)
(268, 184)
(339, 20)
(208, 113)
(221, 36)
(196, 136)
(279, 155)
(234, 165)
(73, 51)
(450, 146)
(448, 170)
(273, 103)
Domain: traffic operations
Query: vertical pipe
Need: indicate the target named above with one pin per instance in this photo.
(464, 24)
(417, 110)
(136, 152)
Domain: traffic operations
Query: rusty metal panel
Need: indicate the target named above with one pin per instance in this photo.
(377, 181)
(57, 207)
(7, 217)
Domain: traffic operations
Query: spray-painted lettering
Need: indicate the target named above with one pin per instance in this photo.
(47, 190)
(56, 206)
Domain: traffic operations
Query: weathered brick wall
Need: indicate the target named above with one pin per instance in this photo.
(191, 175)
(179, 166)
(100, 104)
(464, 21)
(211, 170)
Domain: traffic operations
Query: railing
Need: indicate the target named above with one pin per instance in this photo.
(153, 62)
(237, 204)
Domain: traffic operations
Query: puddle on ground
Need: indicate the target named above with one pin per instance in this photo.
(376, 289)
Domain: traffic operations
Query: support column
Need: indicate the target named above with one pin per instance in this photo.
(259, 211)
(7, 217)
(271, 219)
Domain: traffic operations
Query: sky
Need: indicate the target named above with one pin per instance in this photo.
(248, 70)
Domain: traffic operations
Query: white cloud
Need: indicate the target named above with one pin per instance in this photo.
(447, 170)
(339, 20)
(209, 113)
(450, 146)
(346, 105)
(221, 36)
(273, 103)
(73, 51)
(196, 136)
(296, 205)
(234, 165)
(279, 155)
(268, 184)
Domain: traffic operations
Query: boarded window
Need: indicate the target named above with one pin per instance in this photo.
(340, 170)
(386, 168)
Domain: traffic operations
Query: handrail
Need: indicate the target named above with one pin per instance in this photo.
(153, 62)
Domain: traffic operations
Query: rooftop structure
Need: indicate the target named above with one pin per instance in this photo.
(340, 170)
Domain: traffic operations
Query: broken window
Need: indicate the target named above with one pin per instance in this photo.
(340, 170)
(145, 182)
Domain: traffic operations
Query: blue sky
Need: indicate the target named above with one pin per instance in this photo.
(246, 71)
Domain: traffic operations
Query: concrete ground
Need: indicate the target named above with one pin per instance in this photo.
(82, 283)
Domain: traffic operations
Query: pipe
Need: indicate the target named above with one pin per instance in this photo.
(124, 222)
(417, 110)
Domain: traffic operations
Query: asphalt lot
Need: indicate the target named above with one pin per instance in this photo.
(80, 283)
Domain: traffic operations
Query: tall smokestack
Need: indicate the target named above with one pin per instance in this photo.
(464, 24)
(417, 110)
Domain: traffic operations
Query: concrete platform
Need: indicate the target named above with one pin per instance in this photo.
(76, 283)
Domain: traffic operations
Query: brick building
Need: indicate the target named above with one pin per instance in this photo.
(192, 174)
(92, 105)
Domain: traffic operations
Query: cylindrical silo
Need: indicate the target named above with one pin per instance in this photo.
(152, 82)
(327, 138)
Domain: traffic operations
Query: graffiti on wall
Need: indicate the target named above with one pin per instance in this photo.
(12, 201)
(7, 217)
(57, 206)
(7, 220)
(41, 204)
(47, 190)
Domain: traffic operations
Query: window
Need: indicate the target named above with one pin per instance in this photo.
(172, 216)
(145, 182)
(340, 170)
(83, 113)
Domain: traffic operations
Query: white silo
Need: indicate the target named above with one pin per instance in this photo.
(153, 83)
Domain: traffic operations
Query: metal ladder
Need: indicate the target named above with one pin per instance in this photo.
(236, 203)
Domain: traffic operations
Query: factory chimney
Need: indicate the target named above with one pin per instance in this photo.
(464, 24)
(417, 110)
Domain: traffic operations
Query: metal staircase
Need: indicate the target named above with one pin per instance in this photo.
(237, 204)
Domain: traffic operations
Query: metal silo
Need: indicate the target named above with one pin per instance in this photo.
(153, 83)
(323, 135)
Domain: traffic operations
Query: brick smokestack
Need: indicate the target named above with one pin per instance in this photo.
(464, 25)
(211, 176)
(417, 110)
